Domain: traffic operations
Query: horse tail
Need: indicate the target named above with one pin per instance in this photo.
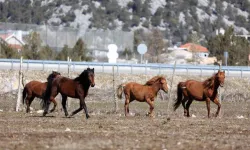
(24, 93)
(119, 91)
(179, 96)
(46, 94)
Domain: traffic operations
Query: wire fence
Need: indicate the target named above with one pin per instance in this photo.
(57, 36)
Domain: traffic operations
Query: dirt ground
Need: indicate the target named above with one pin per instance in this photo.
(108, 130)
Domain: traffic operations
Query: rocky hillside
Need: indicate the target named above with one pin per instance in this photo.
(177, 18)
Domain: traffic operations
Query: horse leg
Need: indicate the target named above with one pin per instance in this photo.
(216, 101)
(29, 100)
(151, 107)
(188, 105)
(126, 105)
(184, 105)
(82, 106)
(64, 100)
(208, 107)
(55, 104)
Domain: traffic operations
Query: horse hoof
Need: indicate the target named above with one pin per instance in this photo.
(87, 116)
(44, 114)
(66, 114)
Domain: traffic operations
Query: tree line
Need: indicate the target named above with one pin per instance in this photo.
(238, 48)
(33, 49)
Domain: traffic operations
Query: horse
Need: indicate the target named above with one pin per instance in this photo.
(37, 89)
(142, 93)
(74, 88)
(201, 91)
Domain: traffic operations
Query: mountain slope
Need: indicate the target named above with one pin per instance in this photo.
(177, 18)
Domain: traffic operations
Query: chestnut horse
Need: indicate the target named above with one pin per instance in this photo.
(75, 88)
(37, 89)
(200, 91)
(142, 93)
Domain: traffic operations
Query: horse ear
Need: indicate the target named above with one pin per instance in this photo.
(163, 80)
(93, 69)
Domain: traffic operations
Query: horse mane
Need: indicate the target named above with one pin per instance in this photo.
(52, 75)
(82, 75)
(47, 92)
(153, 80)
(210, 81)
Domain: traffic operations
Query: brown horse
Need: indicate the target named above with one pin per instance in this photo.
(75, 88)
(37, 89)
(142, 93)
(200, 91)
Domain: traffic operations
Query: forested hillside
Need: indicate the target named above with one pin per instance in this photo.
(178, 18)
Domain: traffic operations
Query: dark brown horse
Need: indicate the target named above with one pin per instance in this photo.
(200, 91)
(75, 88)
(142, 93)
(37, 89)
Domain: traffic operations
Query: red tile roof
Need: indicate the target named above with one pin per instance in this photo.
(196, 47)
(5, 36)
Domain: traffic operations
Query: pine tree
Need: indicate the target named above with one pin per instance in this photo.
(80, 52)
(238, 48)
(33, 46)
(64, 53)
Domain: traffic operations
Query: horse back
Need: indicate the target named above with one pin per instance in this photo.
(36, 87)
(138, 91)
(195, 89)
(66, 86)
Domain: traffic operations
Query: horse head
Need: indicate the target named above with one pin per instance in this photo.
(162, 81)
(164, 85)
(53, 75)
(220, 77)
(91, 76)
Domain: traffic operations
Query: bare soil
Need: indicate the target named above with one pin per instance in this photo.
(108, 130)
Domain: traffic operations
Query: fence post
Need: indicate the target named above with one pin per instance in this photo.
(241, 73)
(43, 65)
(19, 85)
(115, 100)
(12, 65)
(131, 69)
(169, 97)
(159, 69)
(69, 64)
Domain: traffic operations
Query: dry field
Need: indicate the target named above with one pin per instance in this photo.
(108, 130)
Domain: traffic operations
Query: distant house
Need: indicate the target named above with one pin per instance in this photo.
(13, 39)
(199, 50)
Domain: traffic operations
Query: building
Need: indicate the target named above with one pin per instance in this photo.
(13, 39)
(200, 51)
